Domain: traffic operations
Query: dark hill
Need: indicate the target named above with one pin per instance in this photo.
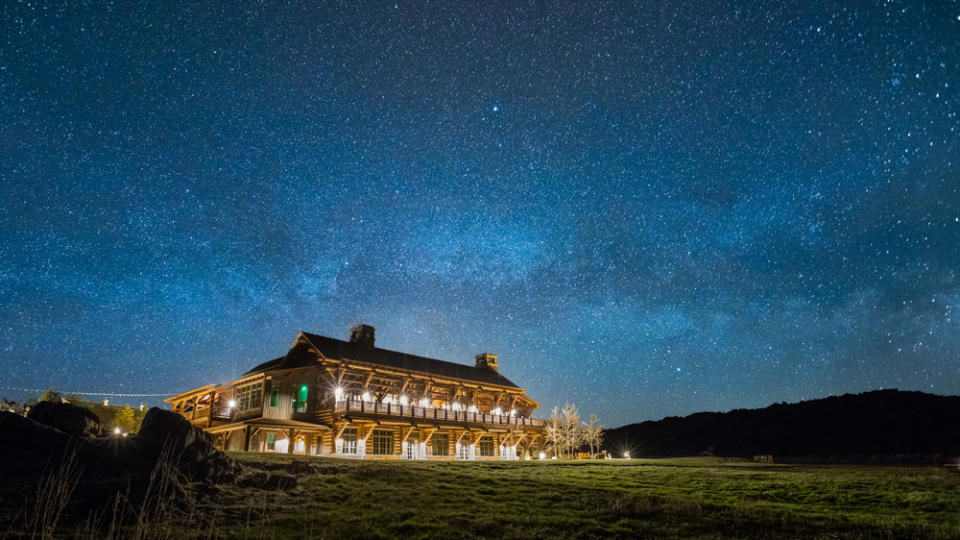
(881, 424)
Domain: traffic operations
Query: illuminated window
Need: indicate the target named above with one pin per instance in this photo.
(271, 441)
(300, 403)
(349, 439)
(382, 442)
(440, 444)
(485, 446)
(249, 396)
(274, 394)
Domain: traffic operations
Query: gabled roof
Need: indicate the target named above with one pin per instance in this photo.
(298, 356)
(335, 349)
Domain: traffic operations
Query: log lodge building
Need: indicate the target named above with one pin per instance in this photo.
(350, 399)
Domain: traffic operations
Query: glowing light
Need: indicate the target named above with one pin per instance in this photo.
(527, 458)
(513, 412)
(456, 406)
(626, 455)
(338, 393)
(498, 411)
(116, 431)
(542, 455)
(366, 396)
(473, 408)
(403, 400)
(424, 402)
(231, 404)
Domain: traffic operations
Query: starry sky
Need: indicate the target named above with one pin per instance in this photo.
(645, 208)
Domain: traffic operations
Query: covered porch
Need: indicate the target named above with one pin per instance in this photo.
(271, 435)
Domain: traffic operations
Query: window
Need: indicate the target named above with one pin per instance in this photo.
(382, 442)
(299, 404)
(249, 396)
(349, 439)
(440, 444)
(413, 446)
(271, 441)
(274, 394)
(485, 446)
(463, 451)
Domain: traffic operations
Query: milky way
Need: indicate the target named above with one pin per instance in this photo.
(646, 209)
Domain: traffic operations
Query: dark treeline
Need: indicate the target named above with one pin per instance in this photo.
(874, 425)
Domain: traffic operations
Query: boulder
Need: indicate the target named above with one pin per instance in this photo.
(192, 450)
(27, 447)
(66, 417)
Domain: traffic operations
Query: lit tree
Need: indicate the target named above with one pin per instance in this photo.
(594, 435)
(555, 430)
(125, 419)
(50, 395)
(572, 434)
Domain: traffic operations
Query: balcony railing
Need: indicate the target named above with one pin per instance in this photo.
(429, 413)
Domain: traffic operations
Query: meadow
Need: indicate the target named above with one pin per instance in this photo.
(694, 497)
(668, 498)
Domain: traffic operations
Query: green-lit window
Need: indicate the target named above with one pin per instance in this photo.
(300, 403)
(271, 441)
(274, 394)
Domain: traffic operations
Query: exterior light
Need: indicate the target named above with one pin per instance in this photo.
(472, 408)
(303, 388)
(456, 406)
(527, 458)
(403, 400)
(425, 402)
(513, 412)
(498, 411)
(116, 431)
(338, 392)
(124, 434)
(542, 455)
(231, 404)
(366, 396)
(626, 455)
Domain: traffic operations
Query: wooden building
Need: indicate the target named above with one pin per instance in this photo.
(350, 399)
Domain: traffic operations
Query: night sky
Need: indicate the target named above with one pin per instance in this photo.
(647, 209)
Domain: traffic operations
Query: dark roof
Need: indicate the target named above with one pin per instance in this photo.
(336, 349)
(298, 356)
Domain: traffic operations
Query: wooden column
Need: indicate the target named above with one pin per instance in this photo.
(291, 441)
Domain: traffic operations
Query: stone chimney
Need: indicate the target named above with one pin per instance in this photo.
(362, 335)
(487, 361)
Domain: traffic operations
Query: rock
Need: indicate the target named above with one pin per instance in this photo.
(192, 450)
(27, 446)
(66, 417)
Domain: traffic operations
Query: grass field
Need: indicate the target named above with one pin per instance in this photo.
(696, 497)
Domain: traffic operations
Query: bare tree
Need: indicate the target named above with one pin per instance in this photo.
(554, 427)
(594, 435)
(572, 434)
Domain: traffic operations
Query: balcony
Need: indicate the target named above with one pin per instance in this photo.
(429, 413)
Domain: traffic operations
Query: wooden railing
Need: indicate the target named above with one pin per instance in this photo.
(429, 413)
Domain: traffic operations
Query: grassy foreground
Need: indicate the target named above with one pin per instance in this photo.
(696, 497)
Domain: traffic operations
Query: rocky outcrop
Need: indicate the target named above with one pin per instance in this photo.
(66, 418)
(27, 446)
(192, 450)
